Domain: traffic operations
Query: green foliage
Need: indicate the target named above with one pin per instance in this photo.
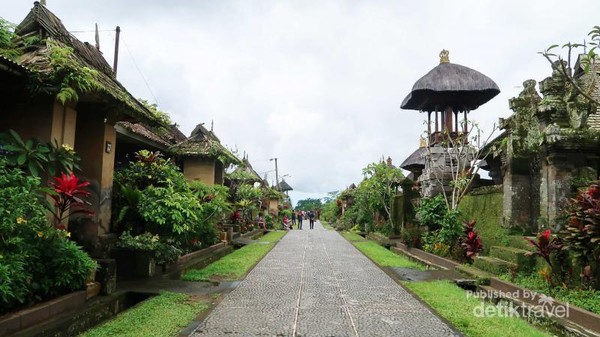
(431, 212)
(329, 211)
(445, 227)
(248, 199)
(309, 204)
(451, 302)
(151, 195)
(159, 115)
(588, 299)
(7, 46)
(37, 261)
(582, 233)
(163, 253)
(373, 199)
(214, 200)
(35, 156)
(163, 315)
(167, 211)
(71, 77)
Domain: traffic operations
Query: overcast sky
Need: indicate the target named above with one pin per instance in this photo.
(317, 84)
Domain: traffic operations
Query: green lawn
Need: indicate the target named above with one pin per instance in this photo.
(452, 303)
(162, 316)
(273, 236)
(384, 257)
(235, 265)
(352, 236)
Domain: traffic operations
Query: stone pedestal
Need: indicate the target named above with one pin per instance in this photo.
(107, 275)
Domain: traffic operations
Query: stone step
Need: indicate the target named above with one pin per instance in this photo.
(514, 255)
(480, 276)
(493, 265)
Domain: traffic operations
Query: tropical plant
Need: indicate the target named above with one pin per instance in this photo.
(471, 242)
(35, 156)
(71, 77)
(37, 261)
(582, 232)
(31, 154)
(588, 58)
(163, 252)
(545, 245)
(68, 197)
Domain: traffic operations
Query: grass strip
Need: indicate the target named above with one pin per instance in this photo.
(162, 316)
(452, 303)
(352, 236)
(272, 236)
(386, 258)
(235, 265)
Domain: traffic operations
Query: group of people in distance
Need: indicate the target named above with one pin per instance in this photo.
(298, 217)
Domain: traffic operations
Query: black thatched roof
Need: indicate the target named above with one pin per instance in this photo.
(416, 160)
(204, 144)
(42, 18)
(450, 85)
(163, 137)
(245, 173)
(36, 58)
(284, 186)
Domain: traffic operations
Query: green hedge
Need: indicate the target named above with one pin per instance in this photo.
(487, 210)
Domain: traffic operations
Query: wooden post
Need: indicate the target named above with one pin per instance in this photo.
(116, 61)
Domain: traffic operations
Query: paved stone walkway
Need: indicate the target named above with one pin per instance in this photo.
(315, 283)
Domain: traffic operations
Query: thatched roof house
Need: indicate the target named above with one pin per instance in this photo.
(204, 157)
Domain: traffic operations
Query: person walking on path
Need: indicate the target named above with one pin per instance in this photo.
(300, 216)
(293, 218)
(311, 218)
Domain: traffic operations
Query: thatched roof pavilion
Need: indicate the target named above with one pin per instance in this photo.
(447, 90)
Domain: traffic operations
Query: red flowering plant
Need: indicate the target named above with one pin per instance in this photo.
(581, 234)
(545, 245)
(235, 217)
(471, 242)
(69, 194)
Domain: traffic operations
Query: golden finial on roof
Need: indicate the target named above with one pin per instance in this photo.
(444, 58)
(422, 142)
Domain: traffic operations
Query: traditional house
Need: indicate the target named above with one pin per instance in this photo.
(133, 137)
(203, 156)
(42, 99)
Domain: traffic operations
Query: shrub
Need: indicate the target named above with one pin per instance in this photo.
(34, 156)
(37, 261)
(163, 252)
(151, 195)
(582, 233)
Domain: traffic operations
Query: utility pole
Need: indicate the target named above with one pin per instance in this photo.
(276, 174)
(116, 60)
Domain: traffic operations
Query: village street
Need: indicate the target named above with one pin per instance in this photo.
(315, 283)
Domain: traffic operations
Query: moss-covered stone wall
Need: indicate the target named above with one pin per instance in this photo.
(486, 208)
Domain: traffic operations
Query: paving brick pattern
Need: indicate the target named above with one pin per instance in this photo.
(315, 283)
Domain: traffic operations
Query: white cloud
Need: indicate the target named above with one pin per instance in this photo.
(318, 84)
